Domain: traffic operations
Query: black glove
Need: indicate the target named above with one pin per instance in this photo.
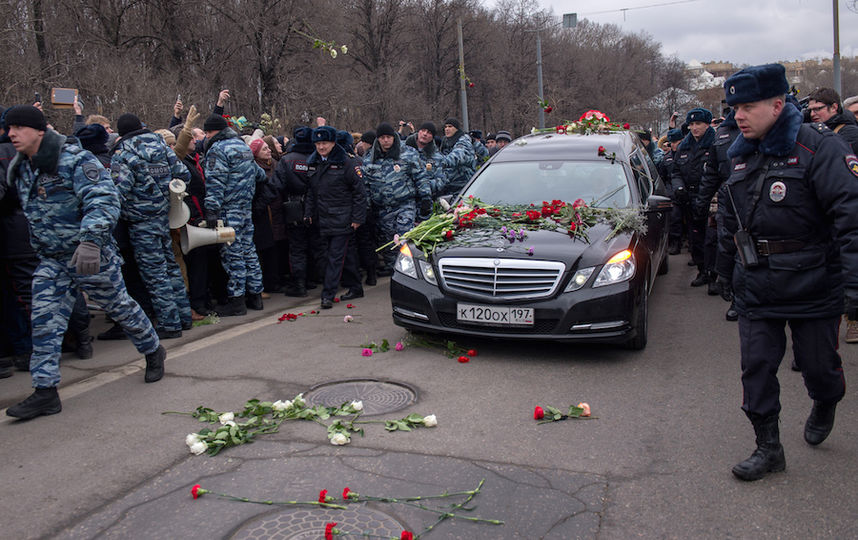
(211, 220)
(726, 288)
(852, 304)
(425, 208)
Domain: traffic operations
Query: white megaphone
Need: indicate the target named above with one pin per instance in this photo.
(192, 237)
(179, 211)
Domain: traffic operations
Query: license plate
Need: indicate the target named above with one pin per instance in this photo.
(492, 315)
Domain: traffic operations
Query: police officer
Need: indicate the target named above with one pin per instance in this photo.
(481, 153)
(424, 142)
(398, 186)
(716, 170)
(71, 205)
(460, 162)
(142, 167)
(231, 178)
(665, 170)
(337, 196)
(687, 172)
(292, 181)
(792, 254)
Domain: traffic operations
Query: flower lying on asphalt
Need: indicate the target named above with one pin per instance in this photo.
(226, 417)
(196, 491)
(450, 348)
(399, 346)
(357, 405)
(366, 352)
(339, 439)
(348, 318)
(330, 531)
(406, 536)
(430, 421)
(464, 359)
(472, 352)
(350, 306)
(337, 300)
(280, 406)
(553, 414)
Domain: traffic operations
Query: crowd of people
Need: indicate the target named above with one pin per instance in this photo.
(765, 196)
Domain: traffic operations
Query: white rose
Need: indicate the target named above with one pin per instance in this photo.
(226, 417)
(344, 49)
(192, 439)
(357, 405)
(281, 405)
(199, 447)
(230, 423)
(299, 400)
(333, 53)
(430, 421)
(339, 439)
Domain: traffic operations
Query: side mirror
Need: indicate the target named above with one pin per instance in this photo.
(658, 202)
(446, 201)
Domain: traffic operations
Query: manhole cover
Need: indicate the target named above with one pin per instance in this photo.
(309, 524)
(378, 397)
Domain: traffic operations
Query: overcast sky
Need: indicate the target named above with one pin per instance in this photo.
(738, 31)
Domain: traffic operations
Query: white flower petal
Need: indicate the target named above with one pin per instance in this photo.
(199, 447)
(430, 421)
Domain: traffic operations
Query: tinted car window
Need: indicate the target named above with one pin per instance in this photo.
(531, 182)
(643, 180)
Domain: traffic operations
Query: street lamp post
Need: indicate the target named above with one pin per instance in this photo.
(836, 66)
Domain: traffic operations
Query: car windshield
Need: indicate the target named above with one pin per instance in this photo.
(599, 183)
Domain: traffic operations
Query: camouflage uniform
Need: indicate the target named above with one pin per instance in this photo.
(431, 160)
(142, 167)
(395, 181)
(69, 198)
(459, 162)
(481, 153)
(231, 178)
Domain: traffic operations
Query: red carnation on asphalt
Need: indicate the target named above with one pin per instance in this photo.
(538, 413)
(464, 359)
(350, 306)
(322, 495)
(329, 531)
(406, 536)
(196, 491)
(472, 352)
(346, 494)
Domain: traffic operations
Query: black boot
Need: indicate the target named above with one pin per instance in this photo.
(296, 291)
(112, 333)
(769, 455)
(6, 367)
(21, 362)
(371, 278)
(155, 364)
(234, 306)
(673, 247)
(732, 314)
(163, 333)
(713, 288)
(820, 422)
(42, 401)
(84, 344)
(700, 280)
(254, 302)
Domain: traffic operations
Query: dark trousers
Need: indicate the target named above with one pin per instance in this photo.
(710, 246)
(366, 244)
(205, 272)
(306, 254)
(342, 265)
(17, 294)
(763, 343)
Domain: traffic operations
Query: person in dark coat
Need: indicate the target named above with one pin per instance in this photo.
(337, 196)
(824, 106)
(791, 254)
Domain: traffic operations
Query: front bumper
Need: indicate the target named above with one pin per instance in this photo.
(603, 314)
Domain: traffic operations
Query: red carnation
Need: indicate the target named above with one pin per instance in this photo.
(561, 129)
(548, 109)
(480, 211)
(602, 150)
(322, 495)
(196, 491)
(350, 306)
(406, 536)
(329, 531)
(472, 352)
(533, 215)
(547, 211)
(538, 413)
(470, 85)
(626, 126)
(336, 300)
(464, 359)
(572, 227)
(346, 494)
(448, 234)
(578, 203)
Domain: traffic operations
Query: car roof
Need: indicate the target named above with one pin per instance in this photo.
(554, 146)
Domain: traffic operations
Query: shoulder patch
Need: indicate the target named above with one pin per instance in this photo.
(852, 163)
(91, 171)
(740, 166)
(299, 166)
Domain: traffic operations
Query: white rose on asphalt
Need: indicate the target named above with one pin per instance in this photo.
(281, 406)
(344, 49)
(339, 439)
(198, 448)
(230, 423)
(226, 417)
(430, 421)
(357, 405)
(192, 439)
(333, 53)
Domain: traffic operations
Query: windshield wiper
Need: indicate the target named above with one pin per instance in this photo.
(607, 196)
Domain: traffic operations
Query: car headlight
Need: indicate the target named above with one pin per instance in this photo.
(427, 271)
(619, 268)
(405, 262)
(579, 279)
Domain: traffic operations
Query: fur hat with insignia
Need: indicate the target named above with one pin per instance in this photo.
(215, 122)
(345, 139)
(698, 114)
(127, 123)
(756, 83)
(302, 134)
(674, 135)
(324, 133)
(26, 116)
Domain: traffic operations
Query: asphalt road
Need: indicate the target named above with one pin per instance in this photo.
(654, 464)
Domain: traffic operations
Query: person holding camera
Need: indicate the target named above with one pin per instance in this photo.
(791, 254)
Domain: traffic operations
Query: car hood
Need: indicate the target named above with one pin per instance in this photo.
(544, 245)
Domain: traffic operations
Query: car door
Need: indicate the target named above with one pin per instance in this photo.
(656, 218)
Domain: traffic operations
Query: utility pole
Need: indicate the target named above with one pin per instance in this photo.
(836, 66)
(462, 86)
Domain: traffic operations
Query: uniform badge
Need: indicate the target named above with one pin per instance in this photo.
(792, 161)
(90, 170)
(732, 90)
(428, 166)
(397, 168)
(852, 163)
(777, 192)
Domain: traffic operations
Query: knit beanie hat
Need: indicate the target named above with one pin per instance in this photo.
(385, 129)
(256, 145)
(92, 135)
(430, 127)
(453, 122)
(215, 122)
(26, 116)
(368, 137)
(127, 123)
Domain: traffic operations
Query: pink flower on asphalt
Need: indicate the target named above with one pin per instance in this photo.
(366, 352)
(399, 346)
(348, 318)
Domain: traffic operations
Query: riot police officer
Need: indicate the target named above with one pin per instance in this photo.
(792, 254)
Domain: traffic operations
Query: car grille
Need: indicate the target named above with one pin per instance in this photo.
(511, 279)
(540, 326)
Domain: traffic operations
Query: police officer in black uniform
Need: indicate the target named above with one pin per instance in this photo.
(337, 197)
(716, 171)
(687, 173)
(791, 253)
(665, 170)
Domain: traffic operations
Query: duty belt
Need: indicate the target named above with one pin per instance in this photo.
(772, 247)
